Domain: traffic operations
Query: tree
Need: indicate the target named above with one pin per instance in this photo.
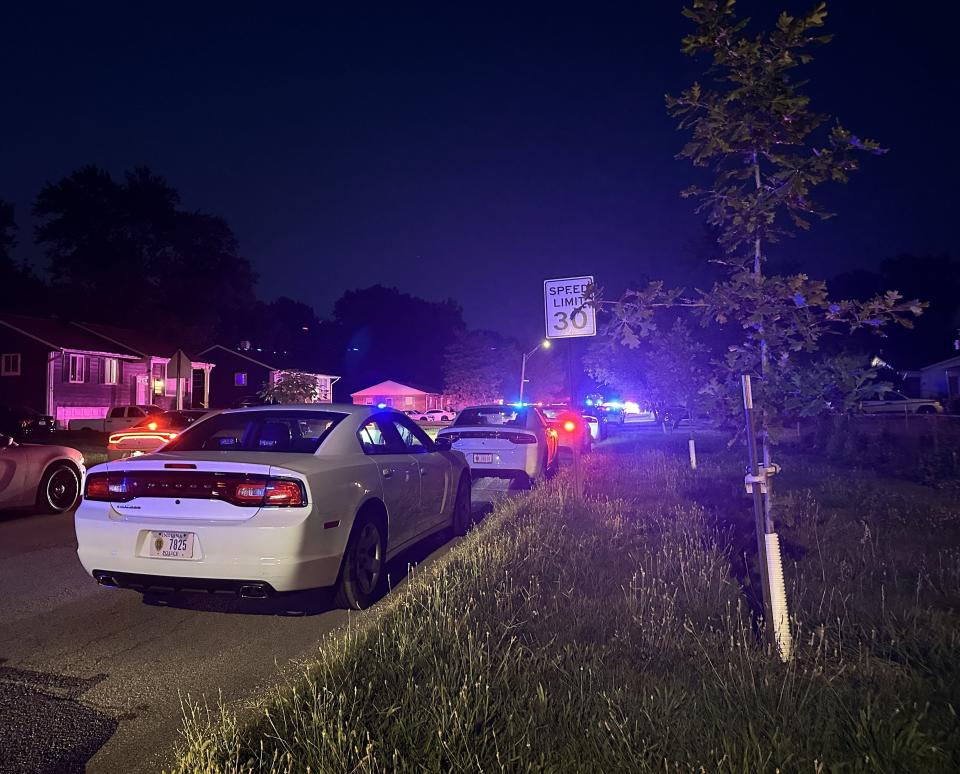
(667, 372)
(480, 367)
(22, 289)
(937, 277)
(291, 387)
(385, 334)
(752, 127)
(8, 228)
(124, 252)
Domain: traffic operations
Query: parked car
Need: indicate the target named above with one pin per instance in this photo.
(25, 422)
(41, 476)
(505, 442)
(152, 433)
(571, 427)
(893, 402)
(270, 499)
(117, 418)
(433, 415)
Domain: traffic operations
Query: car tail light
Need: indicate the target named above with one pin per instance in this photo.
(98, 488)
(236, 489)
(521, 438)
(284, 493)
(452, 437)
(569, 426)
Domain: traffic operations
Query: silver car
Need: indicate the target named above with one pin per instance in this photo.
(33, 475)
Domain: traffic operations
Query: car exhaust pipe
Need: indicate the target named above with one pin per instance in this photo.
(254, 591)
(107, 580)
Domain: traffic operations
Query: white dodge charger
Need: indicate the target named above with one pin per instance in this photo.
(270, 499)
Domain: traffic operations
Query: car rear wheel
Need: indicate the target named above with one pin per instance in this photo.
(462, 509)
(364, 565)
(59, 489)
(926, 410)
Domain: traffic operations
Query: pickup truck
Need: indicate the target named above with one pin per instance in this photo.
(117, 418)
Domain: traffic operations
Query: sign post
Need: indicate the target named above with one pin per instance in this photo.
(568, 315)
(179, 367)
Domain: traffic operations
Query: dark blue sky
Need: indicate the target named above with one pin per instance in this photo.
(466, 152)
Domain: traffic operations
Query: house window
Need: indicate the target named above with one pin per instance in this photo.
(111, 370)
(10, 364)
(78, 369)
(240, 379)
(407, 400)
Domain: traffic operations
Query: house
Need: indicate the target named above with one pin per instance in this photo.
(399, 396)
(942, 380)
(242, 373)
(59, 369)
(159, 386)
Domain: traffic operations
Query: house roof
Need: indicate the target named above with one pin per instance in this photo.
(272, 361)
(58, 334)
(950, 362)
(143, 344)
(390, 387)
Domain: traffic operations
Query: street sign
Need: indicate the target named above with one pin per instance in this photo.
(179, 366)
(565, 312)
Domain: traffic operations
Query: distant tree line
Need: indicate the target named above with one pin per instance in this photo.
(124, 251)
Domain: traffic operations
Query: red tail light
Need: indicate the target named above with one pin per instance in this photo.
(234, 488)
(569, 426)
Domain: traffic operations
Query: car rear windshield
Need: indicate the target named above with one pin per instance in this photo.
(297, 432)
(507, 416)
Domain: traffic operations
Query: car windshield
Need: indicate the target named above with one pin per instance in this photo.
(508, 416)
(297, 432)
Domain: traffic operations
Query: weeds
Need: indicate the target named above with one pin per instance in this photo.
(616, 635)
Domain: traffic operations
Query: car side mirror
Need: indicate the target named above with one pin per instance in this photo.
(7, 440)
(443, 444)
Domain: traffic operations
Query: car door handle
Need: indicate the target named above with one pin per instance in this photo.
(388, 473)
(423, 472)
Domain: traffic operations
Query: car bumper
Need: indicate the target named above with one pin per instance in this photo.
(503, 462)
(261, 550)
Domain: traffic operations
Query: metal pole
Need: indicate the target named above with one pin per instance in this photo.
(523, 375)
(759, 514)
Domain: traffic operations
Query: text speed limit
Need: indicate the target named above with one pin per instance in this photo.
(565, 309)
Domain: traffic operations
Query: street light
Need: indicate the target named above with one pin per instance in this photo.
(523, 367)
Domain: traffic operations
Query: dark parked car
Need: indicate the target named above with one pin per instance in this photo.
(24, 422)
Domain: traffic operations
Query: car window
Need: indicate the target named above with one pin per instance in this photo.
(414, 439)
(379, 436)
(297, 432)
(133, 411)
(895, 396)
(116, 413)
(508, 416)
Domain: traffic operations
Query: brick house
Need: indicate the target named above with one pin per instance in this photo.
(399, 396)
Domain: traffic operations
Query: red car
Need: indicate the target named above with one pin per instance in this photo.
(571, 426)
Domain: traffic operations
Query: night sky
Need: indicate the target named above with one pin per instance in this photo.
(466, 152)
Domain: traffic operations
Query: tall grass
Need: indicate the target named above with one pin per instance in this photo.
(619, 634)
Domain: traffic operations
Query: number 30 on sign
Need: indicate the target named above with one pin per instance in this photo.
(567, 315)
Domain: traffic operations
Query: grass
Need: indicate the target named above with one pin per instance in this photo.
(619, 634)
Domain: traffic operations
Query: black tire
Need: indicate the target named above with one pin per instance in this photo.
(462, 509)
(926, 410)
(364, 571)
(59, 488)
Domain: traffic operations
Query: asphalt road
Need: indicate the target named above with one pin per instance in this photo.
(91, 678)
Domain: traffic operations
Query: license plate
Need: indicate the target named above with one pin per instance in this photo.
(483, 458)
(171, 545)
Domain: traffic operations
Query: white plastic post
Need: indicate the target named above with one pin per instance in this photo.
(692, 445)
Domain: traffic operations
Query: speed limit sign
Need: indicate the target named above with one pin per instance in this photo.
(566, 311)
